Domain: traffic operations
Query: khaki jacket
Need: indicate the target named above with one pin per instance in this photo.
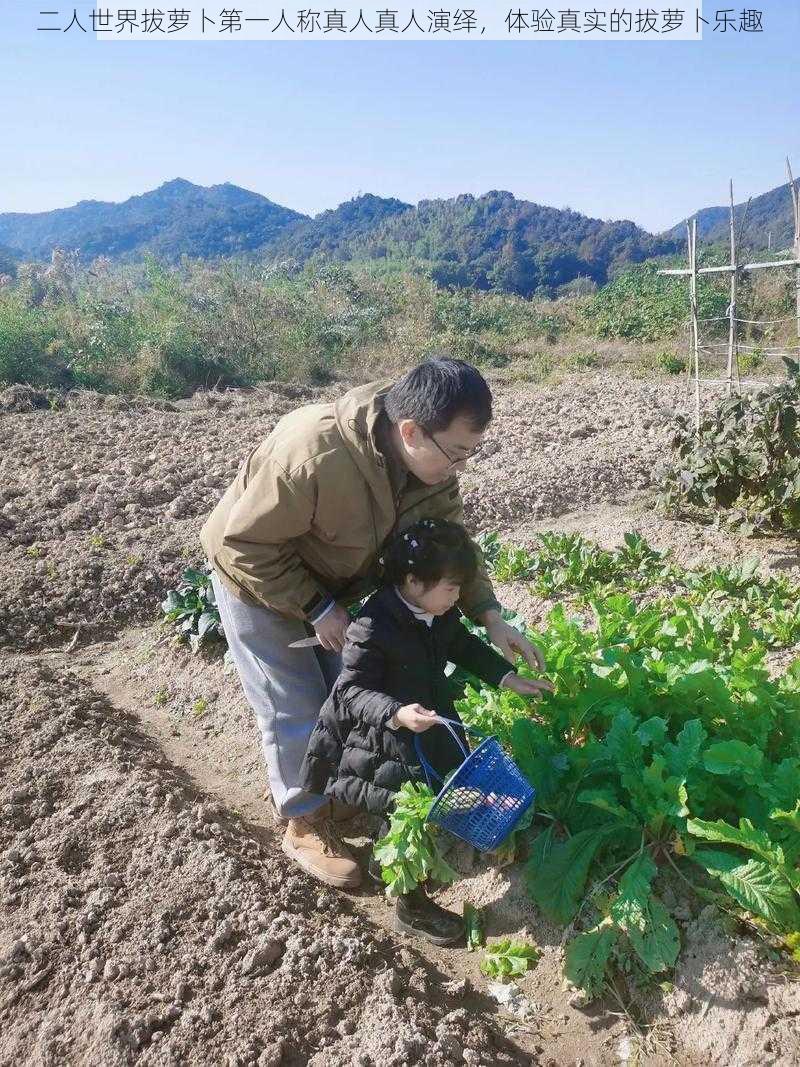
(311, 507)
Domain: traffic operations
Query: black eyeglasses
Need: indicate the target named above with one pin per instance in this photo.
(453, 460)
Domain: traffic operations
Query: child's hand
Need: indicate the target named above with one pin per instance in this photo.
(415, 717)
(527, 687)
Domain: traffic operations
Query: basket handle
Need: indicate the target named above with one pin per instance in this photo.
(429, 771)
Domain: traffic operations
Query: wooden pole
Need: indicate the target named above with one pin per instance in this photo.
(796, 206)
(695, 323)
(690, 346)
(793, 262)
(732, 304)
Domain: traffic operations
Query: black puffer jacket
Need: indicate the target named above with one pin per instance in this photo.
(390, 659)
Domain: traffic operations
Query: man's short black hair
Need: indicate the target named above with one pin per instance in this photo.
(430, 550)
(439, 390)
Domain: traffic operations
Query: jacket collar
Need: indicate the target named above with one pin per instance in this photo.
(357, 414)
(391, 603)
(424, 616)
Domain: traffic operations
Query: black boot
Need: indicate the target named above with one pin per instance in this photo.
(416, 914)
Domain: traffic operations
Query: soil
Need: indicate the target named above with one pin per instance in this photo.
(147, 914)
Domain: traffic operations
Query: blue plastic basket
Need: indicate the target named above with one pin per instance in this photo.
(484, 799)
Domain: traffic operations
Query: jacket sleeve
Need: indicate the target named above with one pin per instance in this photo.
(257, 551)
(478, 596)
(468, 651)
(363, 673)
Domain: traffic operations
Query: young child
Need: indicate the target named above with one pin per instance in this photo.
(392, 684)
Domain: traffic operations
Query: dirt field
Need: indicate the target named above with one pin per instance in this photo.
(146, 912)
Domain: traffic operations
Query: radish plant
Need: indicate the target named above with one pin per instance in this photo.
(663, 754)
(192, 608)
(409, 853)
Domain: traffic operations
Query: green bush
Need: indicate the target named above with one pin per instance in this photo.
(27, 352)
(750, 361)
(671, 362)
(742, 465)
(642, 305)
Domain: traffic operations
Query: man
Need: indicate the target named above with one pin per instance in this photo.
(297, 538)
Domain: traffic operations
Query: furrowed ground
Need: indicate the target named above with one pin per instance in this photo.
(147, 914)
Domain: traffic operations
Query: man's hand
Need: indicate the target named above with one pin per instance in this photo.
(415, 717)
(331, 629)
(511, 642)
(526, 687)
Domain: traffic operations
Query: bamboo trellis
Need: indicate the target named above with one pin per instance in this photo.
(735, 270)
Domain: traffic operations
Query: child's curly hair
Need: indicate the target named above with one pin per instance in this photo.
(430, 550)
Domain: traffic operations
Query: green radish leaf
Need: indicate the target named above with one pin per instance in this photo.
(556, 882)
(606, 800)
(206, 622)
(473, 926)
(652, 731)
(734, 757)
(685, 753)
(587, 956)
(194, 577)
(408, 853)
(192, 607)
(789, 818)
(649, 926)
(755, 885)
(785, 782)
(508, 959)
(747, 836)
(659, 943)
(626, 748)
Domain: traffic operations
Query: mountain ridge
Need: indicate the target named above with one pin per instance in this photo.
(491, 241)
(769, 213)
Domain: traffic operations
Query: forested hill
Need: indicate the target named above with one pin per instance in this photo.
(175, 219)
(494, 241)
(770, 213)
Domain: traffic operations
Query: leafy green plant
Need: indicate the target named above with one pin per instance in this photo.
(642, 305)
(636, 916)
(568, 563)
(508, 959)
(734, 603)
(661, 727)
(743, 463)
(26, 335)
(490, 712)
(767, 882)
(409, 853)
(473, 926)
(671, 363)
(752, 360)
(192, 608)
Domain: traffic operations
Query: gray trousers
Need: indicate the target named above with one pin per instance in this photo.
(285, 687)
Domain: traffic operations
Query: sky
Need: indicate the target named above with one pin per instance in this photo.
(644, 131)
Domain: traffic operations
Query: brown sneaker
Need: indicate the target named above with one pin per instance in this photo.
(316, 848)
